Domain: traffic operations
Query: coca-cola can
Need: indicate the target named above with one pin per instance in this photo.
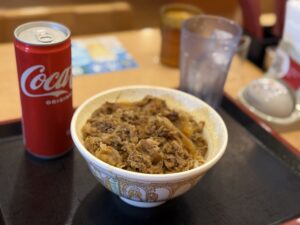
(43, 55)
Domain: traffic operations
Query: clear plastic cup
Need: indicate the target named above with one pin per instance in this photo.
(208, 44)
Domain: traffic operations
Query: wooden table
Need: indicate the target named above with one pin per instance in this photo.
(144, 45)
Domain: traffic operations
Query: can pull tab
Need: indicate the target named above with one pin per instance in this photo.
(44, 36)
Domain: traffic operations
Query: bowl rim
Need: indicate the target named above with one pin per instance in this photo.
(144, 176)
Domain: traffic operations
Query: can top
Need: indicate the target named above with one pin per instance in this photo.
(42, 33)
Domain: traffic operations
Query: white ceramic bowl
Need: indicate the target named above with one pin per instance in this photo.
(149, 190)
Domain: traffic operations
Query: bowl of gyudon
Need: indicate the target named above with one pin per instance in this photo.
(148, 144)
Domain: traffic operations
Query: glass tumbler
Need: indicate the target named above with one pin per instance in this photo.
(208, 44)
(171, 18)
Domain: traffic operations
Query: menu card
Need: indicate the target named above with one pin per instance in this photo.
(100, 55)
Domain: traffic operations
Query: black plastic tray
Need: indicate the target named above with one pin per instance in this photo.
(248, 186)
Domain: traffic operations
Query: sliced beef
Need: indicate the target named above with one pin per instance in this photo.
(145, 136)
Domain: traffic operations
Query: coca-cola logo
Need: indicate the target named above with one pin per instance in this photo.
(35, 83)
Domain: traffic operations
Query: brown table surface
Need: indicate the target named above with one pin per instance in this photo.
(144, 46)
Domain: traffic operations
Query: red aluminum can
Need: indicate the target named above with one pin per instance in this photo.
(43, 55)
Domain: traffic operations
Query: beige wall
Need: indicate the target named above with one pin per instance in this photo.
(95, 16)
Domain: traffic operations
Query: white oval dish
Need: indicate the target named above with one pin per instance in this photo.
(256, 99)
